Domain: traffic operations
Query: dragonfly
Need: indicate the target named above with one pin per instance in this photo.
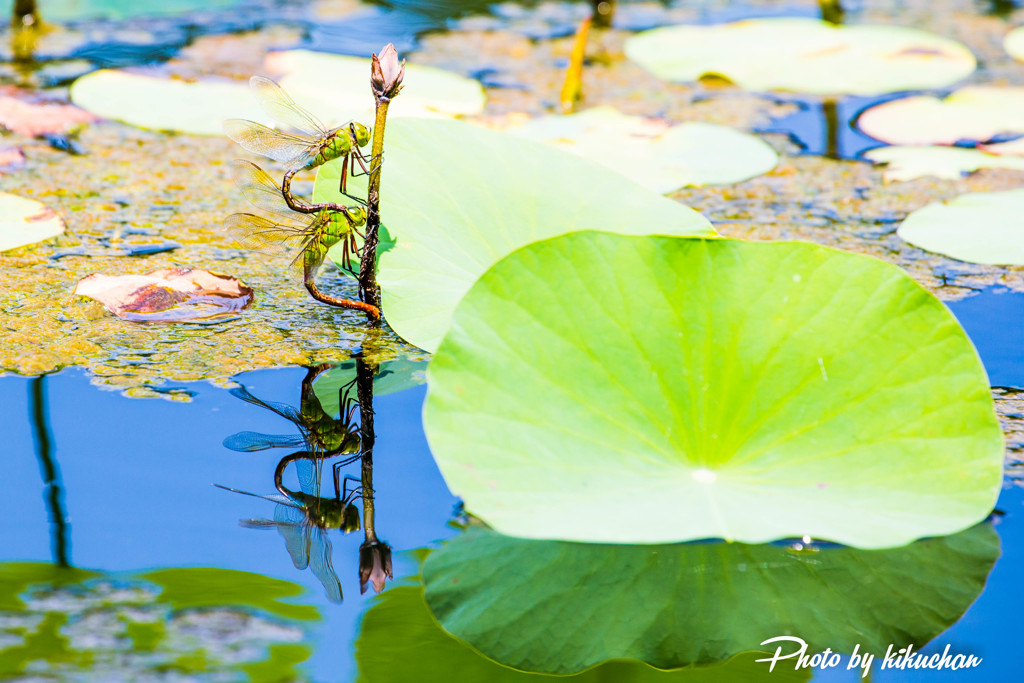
(313, 145)
(314, 233)
(303, 517)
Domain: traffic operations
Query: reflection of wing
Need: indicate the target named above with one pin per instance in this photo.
(273, 497)
(285, 411)
(291, 524)
(310, 475)
(276, 102)
(273, 144)
(247, 442)
(322, 566)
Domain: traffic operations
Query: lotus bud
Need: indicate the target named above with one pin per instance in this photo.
(386, 74)
(374, 565)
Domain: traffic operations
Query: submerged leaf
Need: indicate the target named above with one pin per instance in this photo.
(676, 389)
(457, 198)
(594, 603)
(427, 91)
(26, 221)
(392, 376)
(804, 55)
(653, 153)
(908, 163)
(978, 113)
(198, 107)
(167, 295)
(979, 227)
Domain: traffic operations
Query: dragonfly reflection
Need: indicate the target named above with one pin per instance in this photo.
(304, 516)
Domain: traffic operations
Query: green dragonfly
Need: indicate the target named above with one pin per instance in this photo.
(314, 233)
(313, 145)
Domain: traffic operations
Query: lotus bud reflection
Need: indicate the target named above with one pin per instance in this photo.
(386, 74)
(374, 565)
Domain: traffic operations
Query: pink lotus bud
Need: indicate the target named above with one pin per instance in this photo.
(386, 73)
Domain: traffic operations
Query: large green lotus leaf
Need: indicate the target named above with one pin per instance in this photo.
(26, 221)
(977, 112)
(656, 155)
(557, 607)
(978, 227)
(457, 198)
(400, 642)
(910, 162)
(427, 91)
(804, 55)
(198, 107)
(392, 376)
(604, 388)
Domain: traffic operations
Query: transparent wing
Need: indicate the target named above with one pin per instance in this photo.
(285, 411)
(254, 137)
(266, 233)
(276, 102)
(248, 442)
(292, 526)
(320, 563)
(263, 192)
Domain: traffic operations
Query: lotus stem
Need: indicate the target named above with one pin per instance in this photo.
(369, 292)
(831, 11)
(604, 12)
(572, 89)
(830, 110)
(364, 394)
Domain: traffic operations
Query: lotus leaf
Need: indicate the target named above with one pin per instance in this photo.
(675, 389)
(804, 55)
(908, 163)
(428, 91)
(974, 113)
(1014, 43)
(400, 642)
(457, 198)
(705, 601)
(656, 155)
(198, 107)
(979, 227)
(26, 221)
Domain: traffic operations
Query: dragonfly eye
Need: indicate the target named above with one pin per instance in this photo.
(360, 133)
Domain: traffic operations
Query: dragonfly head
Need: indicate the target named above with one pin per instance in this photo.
(356, 215)
(360, 133)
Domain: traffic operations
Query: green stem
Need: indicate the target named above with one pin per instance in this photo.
(368, 289)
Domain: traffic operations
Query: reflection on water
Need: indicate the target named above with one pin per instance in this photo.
(53, 493)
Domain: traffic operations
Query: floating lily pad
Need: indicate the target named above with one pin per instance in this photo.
(979, 227)
(653, 153)
(457, 198)
(400, 642)
(168, 295)
(197, 107)
(975, 113)
(25, 221)
(908, 163)
(804, 55)
(428, 91)
(1014, 43)
(676, 389)
(392, 376)
(590, 603)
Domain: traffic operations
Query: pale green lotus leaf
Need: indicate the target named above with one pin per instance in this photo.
(978, 227)
(339, 86)
(975, 113)
(197, 107)
(804, 55)
(1013, 43)
(654, 154)
(456, 198)
(392, 376)
(556, 607)
(26, 221)
(910, 162)
(605, 388)
(400, 642)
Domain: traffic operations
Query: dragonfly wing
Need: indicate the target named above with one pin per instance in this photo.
(276, 102)
(259, 139)
(248, 442)
(292, 526)
(321, 564)
(262, 191)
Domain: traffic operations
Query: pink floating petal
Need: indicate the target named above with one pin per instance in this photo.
(11, 159)
(31, 120)
(168, 295)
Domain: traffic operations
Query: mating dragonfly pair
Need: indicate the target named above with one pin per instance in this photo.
(322, 225)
